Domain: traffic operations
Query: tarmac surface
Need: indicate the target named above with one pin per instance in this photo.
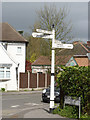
(25, 104)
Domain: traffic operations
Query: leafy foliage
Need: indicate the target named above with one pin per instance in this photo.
(2, 89)
(37, 47)
(70, 112)
(46, 17)
(75, 81)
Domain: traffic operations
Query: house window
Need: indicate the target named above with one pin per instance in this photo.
(7, 72)
(4, 72)
(19, 50)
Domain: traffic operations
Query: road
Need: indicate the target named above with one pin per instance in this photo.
(19, 103)
(24, 106)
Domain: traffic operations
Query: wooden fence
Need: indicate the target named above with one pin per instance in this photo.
(34, 80)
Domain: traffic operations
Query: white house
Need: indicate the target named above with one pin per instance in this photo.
(12, 57)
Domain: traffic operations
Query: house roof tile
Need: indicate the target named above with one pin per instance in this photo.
(64, 55)
(44, 60)
(82, 60)
(9, 34)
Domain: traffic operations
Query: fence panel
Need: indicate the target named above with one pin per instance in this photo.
(23, 80)
(48, 79)
(41, 80)
(33, 80)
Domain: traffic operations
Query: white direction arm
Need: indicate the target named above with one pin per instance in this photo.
(66, 46)
(48, 36)
(44, 31)
(58, 42)
(34, 34)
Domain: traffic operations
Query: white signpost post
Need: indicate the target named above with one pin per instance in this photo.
(55, 44)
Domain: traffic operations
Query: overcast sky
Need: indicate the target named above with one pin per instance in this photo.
(21, 15)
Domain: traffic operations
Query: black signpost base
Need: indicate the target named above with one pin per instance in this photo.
(51, 110)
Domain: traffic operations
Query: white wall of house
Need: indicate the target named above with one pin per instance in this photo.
(18, 52)
(7, 71)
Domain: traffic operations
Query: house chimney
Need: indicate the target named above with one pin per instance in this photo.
(21, 32)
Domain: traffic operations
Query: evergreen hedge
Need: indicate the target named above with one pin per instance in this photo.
(75, 81)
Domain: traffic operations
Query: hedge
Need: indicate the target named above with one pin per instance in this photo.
(75, 81)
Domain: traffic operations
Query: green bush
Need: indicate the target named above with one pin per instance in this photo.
(75, 82)
(32, 89)
(69, 112)
(2, 89)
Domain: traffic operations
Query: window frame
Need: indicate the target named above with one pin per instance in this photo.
(5, 70)
(19, 52)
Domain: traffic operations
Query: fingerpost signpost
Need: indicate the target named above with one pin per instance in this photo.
(55, 44)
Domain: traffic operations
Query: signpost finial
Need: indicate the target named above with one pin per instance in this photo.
(53, 26)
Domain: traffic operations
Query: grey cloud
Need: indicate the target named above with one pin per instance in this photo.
(22, 15)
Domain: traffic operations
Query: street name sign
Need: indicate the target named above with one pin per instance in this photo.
(69, 100)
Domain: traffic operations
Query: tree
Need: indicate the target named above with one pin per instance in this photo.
(50, 15)
(33, 57)
(36, 47)
(46, 17)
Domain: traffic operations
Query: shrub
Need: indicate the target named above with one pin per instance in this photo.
(75, 82)
(67, 111)
(32, 89)
(2, 89)
(70, 112)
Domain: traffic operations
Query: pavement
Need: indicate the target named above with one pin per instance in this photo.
(20, 92)
(36, 112)
(41, 113)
